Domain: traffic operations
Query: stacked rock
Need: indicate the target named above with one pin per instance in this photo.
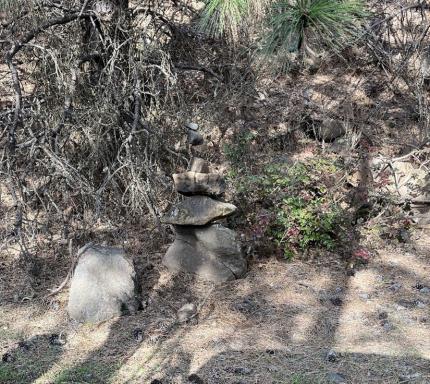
(202, 246)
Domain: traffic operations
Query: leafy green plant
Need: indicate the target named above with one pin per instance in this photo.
(236, 151)
(331, 22)
(299, 211)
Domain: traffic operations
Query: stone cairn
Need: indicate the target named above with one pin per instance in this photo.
(202, 245)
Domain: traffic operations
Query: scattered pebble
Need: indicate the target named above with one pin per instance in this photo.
(364, 296)
(387, 325)
(382, 315)
(331, 356)
(270, 351)
(336, 378)
(420, 304)
(425, 290)
(395, 287)
(138, 335)
(195, 379)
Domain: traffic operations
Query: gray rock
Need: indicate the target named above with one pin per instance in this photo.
(102, 285)
(210, 252)
(395, 287)
(331, 356)
(194, 137)
(199, 165)
(336, 378)
(330, 130)
(193, 183)
(425, 290)
(192, 126)
(364, 296)
(186, 312)
(198, 210)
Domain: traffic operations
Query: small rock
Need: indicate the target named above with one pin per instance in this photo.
(407, 304)
(331, 356)
(270, 351)
(193, 183)
(192, 126)
(198, 211)
(418, 286)
(195, 379)
(186, 312)
(395, 287)
(383, 315)
(242, 371)
(57, 339)
(336, 301)
(425, 290)
(138, 335)
(364, 296)
(336, 378)
(420, 304)
(7, 358)
(387, 325)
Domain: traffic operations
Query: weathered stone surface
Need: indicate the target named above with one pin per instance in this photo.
(194, 137)
(192, 126)
(198, 210)
(199, 165)
(211, 252)
(193, 183)
(102, 285)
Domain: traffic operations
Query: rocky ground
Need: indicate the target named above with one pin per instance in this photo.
(297, 322)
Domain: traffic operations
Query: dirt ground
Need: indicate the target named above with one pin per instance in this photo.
(285, 322)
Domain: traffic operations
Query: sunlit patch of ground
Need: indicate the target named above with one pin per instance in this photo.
(279, 321)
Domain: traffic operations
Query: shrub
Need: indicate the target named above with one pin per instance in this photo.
(293, 24)
(297, 209)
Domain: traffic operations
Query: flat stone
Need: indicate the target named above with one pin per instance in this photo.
(198, 210)
(199, 165)
(103, 284)
(193, 183)
(210, 252)
(192, 126)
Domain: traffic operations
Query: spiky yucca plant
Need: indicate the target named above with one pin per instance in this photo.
(327, 22)
(292, 23)
(224, 16)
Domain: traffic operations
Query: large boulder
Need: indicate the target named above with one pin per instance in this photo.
(212, 253)
(102, 286)
(194, 183)
(198, 210)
